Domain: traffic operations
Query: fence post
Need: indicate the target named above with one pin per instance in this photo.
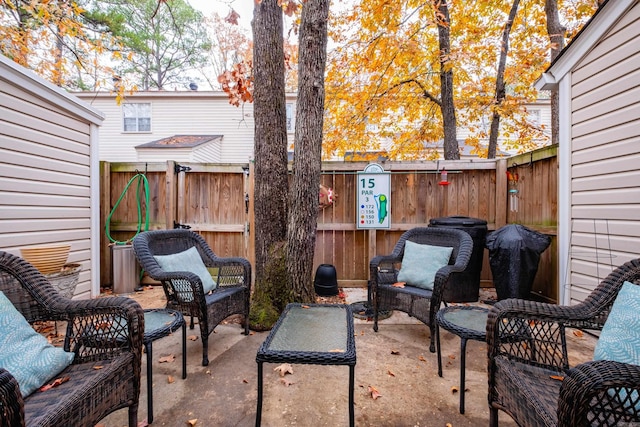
(501, 193)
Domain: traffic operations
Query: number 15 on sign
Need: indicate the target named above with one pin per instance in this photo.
(374, 200)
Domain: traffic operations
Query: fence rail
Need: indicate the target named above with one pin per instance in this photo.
(217, 202)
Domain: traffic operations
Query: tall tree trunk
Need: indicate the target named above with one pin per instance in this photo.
(500, 89)
(270, 147)
(557, 34)
(303, 214)
(451, 151)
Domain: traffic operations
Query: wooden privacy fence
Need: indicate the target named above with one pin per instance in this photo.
(217, 202)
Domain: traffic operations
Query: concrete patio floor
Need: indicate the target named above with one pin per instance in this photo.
(395, 361)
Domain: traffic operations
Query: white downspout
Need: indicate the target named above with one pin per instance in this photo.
(564, 190)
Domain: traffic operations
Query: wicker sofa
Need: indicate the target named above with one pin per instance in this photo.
(529, 374)
(104, 375)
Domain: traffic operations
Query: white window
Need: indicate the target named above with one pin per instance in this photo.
(136, 117)
(535, 117)
(290, 118)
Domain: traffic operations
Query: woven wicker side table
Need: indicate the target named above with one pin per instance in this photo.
(314, 334)
(159, 323)
(467, 322)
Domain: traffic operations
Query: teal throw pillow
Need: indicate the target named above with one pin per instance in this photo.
(188, 260)
(620, 337)
(26, 354)
(420, 263)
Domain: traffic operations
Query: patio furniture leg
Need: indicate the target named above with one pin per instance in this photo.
(351, 382)
(439, 351)
(463, 353)
(148, 350)
(184, 350)
(205, 349)
(259, 408)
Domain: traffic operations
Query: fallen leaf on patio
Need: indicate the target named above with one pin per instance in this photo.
(336, 350)
(395, 352)
(103, 325)
(374, 392)
(391, 373)
(578, 333)
(97, 368)
(251, 333)
(169, 358)
(170, 379)
(244, 380)
(286, 382)
(556, 377)
(55, 383)
(193, 337)
(192, 422)
(449, 425)
(305, 306)
(361, 333)
(422, 359)
(452, 356)
(399, 284)
(284, 369)
(454, 389)
(143, 423)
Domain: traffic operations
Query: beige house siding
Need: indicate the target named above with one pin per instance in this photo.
(46, 170)
(599, 80)
(178, 113)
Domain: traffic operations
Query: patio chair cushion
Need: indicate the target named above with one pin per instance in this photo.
(420, 263)
(26, 354)
(620, 337)
(191, 261)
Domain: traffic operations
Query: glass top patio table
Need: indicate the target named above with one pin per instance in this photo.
(318, 334)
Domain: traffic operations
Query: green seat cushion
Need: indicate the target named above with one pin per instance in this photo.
(620, 337)
(420, 263)
(190, 261)
(26, 354)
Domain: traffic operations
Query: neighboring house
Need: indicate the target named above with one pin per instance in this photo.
(140, 128)
(49, 180)
(598, 78)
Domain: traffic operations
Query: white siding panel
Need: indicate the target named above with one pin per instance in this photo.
(210, 152)
(607, 120)
(604, 150)
(607, 196)
(45, 158)
(620, 102)
(606, 166)
(625, 131)
(628, 179)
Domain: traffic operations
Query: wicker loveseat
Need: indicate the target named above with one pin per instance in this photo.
(529, 373)
(104, 374)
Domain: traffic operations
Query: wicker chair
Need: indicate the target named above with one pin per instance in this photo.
(184, 289)
(91, 393)
(417, 302)
(529, 374)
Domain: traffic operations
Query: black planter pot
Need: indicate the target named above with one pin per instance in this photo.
(326, 281)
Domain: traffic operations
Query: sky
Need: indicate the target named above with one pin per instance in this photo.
(243, 7)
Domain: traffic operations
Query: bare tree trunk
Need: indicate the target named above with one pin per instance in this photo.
(500, 87)
(556, 33)
(270, 147)
(451, 150)
(303, 214)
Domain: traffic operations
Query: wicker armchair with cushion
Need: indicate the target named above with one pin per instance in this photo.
(423, 258)
(195, 280)
(103, 370)
(529, 374)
